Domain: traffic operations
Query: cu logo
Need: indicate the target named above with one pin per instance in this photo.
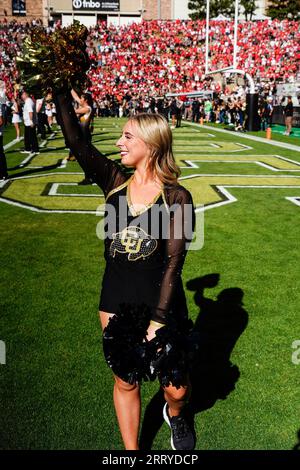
(77, 3)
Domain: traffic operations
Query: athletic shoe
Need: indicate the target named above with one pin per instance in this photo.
(182, 432)
(25, 151)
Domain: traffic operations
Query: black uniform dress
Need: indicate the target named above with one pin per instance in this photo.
(144, 258)
(135, 259)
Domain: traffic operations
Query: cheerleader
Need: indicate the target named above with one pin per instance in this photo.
(143, 265)
(149, 224)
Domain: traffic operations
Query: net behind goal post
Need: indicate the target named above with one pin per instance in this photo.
(252, 121)
(208, 69)
(232, 68)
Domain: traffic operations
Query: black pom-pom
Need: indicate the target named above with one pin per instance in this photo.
(175, 346)
(133, 358)
(125, 343)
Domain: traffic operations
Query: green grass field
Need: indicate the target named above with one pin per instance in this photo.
(56, 389)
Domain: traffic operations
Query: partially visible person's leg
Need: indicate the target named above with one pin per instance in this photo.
(177, 397)
(3, 165)
(127, 401)
(289, 125)
(27, 138)
(17, 127)
(178, 417)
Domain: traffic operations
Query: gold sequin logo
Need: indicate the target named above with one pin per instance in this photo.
(134, 242)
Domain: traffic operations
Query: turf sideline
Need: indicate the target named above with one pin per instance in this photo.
(239, 135)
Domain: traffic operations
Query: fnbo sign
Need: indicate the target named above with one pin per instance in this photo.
(98, 5)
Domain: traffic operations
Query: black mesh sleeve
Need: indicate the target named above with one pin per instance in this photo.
(180, 233)
(106, 173)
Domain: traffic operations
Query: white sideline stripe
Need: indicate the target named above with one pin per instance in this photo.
(12, 142)
(193, 163)
(27, 159)
(250, 137)
(204, 175)
(294, 200)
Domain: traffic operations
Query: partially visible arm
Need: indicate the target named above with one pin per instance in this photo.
(31, 118)
(39, 105)
(106, 173)
(75, 96)
(82, 110)
(181, 226)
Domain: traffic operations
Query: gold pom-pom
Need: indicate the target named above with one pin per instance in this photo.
(58, 60)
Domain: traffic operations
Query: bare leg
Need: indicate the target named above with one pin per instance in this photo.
(127, 403)
(289, 125)
(177, 397)
(17, 127)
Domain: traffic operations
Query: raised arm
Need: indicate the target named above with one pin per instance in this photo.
(106, 173)
(180, 232)
(75, 96)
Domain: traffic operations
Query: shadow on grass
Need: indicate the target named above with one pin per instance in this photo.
(297, 446)
(34, 171)
(220, 323)
(218, 327)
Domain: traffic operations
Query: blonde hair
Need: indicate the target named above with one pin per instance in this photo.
(155, 131)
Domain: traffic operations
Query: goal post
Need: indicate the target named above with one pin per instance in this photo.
(252, 96)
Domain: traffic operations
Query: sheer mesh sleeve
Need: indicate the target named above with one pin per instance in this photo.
(180, 232)
(106, 173)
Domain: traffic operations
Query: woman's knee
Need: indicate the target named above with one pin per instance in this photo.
(177, 394)
(125, 386)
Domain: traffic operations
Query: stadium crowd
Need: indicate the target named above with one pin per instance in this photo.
(134, 66)
(156, 57)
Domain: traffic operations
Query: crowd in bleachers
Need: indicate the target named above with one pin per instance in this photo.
(162, 56)
(133, 67)
(155, 57)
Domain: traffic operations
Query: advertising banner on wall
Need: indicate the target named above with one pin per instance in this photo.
(96, 5)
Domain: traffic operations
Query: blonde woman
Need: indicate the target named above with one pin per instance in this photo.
(143, 261)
